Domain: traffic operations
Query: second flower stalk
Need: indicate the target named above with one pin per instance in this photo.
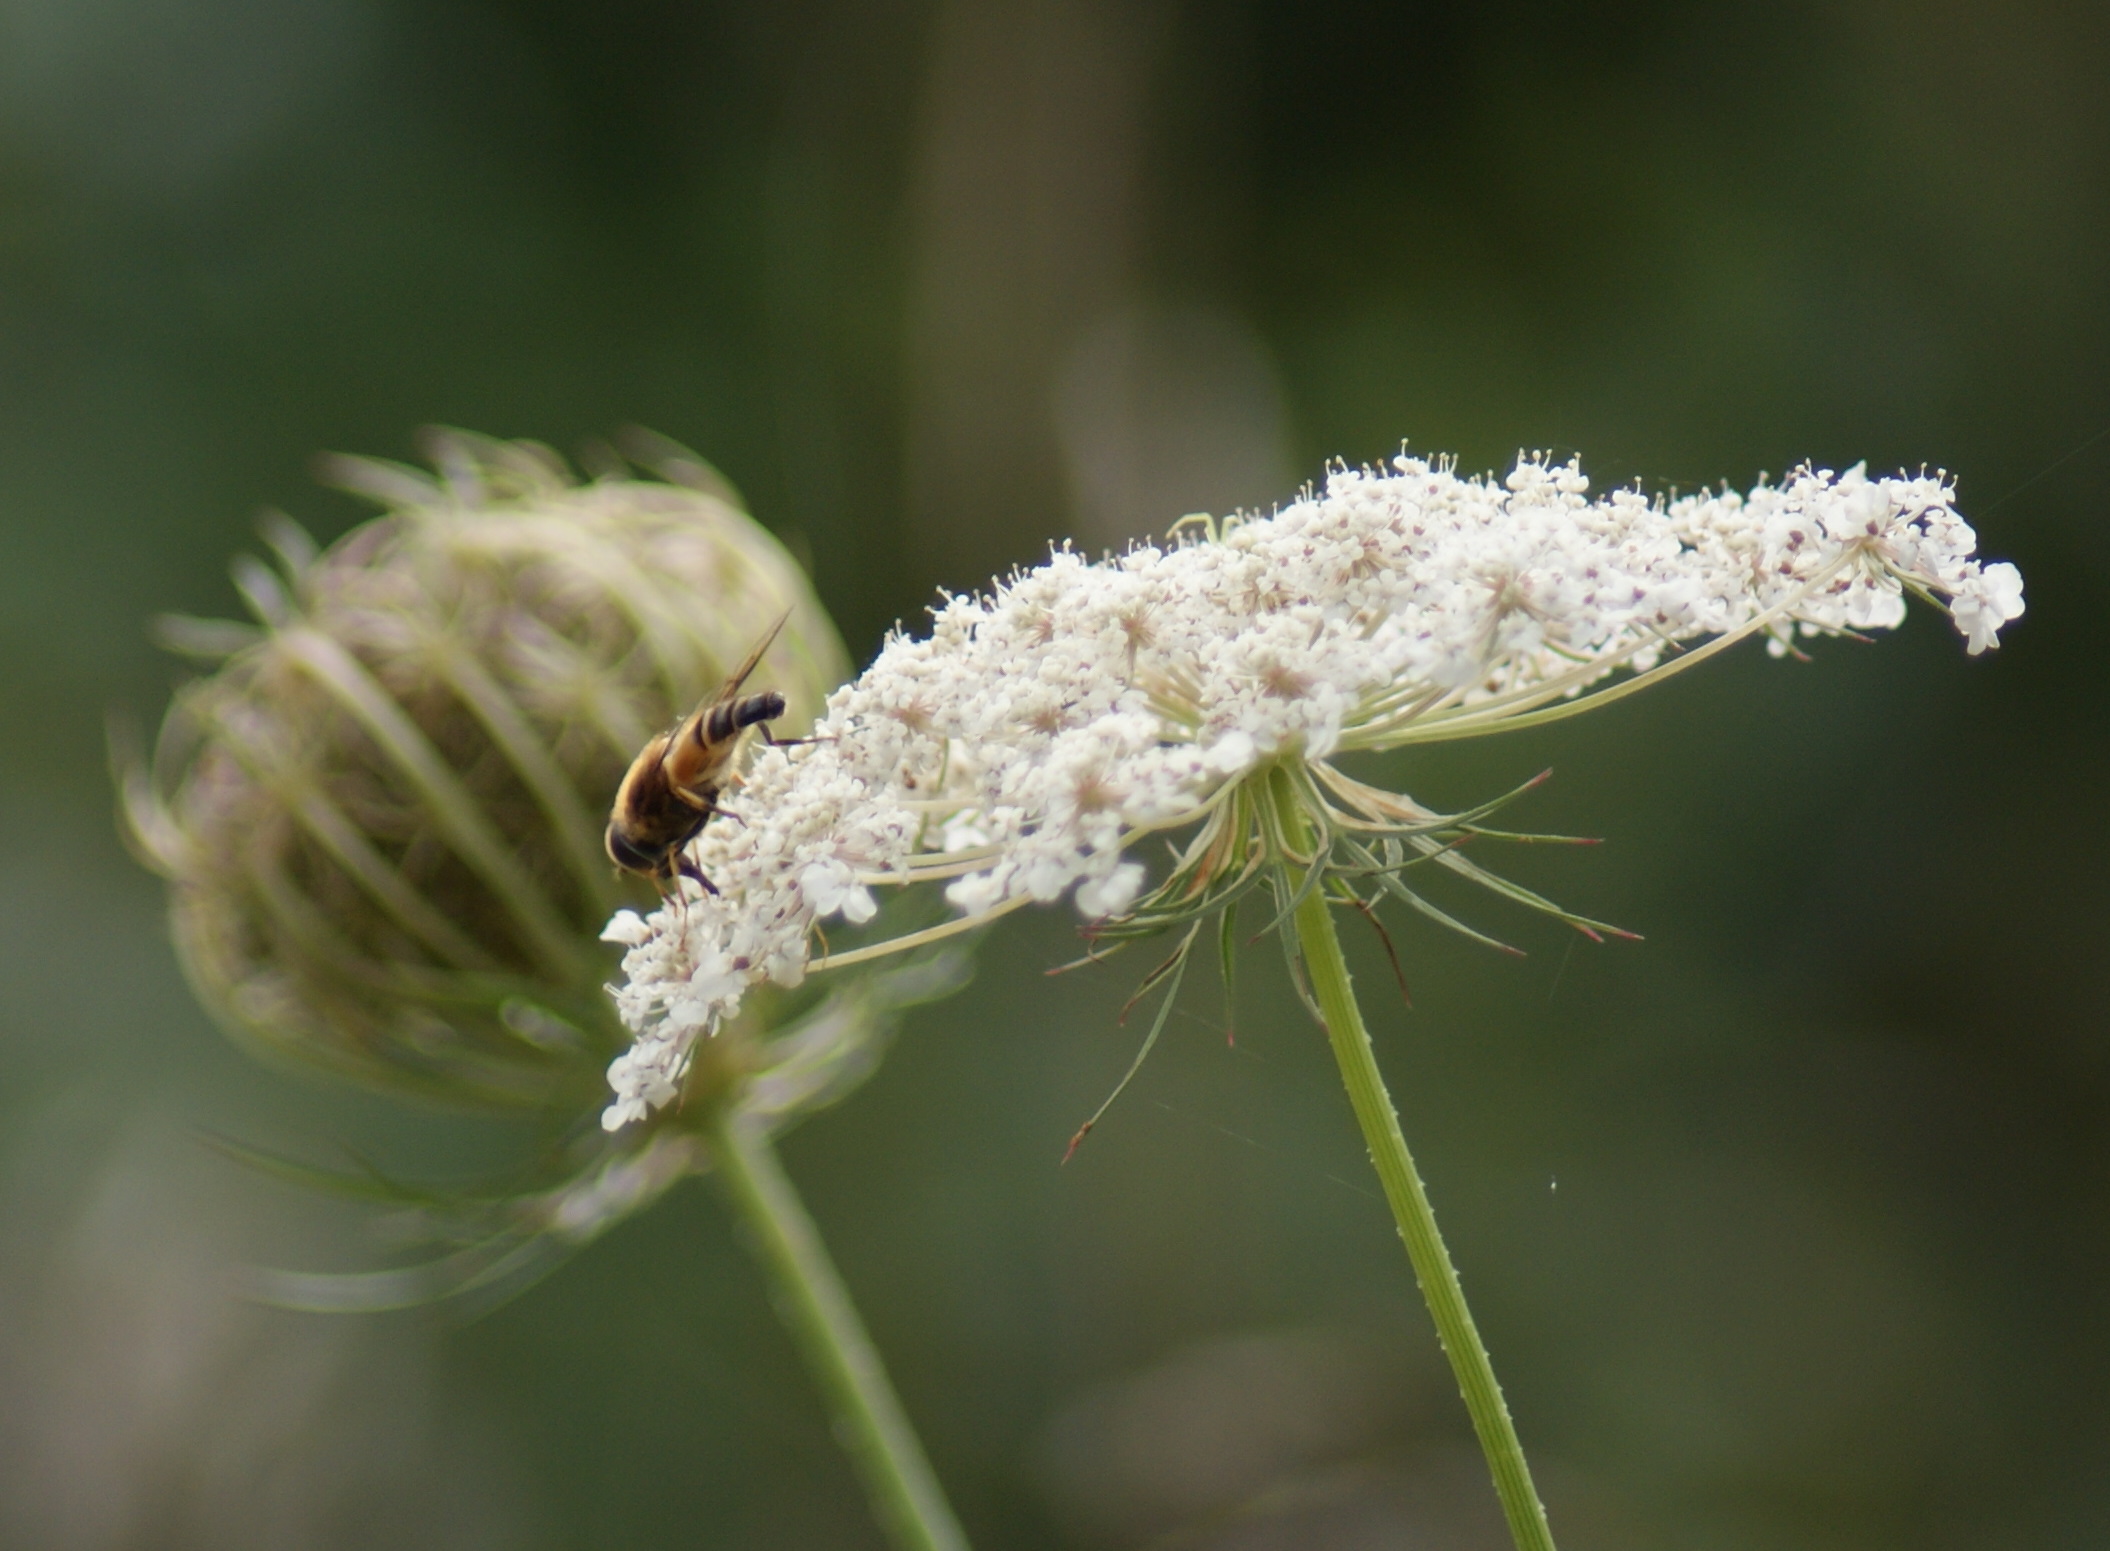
(1319, 947)
(377, 818)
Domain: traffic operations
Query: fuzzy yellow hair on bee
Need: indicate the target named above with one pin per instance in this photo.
(672, 788)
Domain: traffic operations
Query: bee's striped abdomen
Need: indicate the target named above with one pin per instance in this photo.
(727, 719)
(672, 788)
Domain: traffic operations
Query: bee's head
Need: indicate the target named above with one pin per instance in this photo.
(632, 857)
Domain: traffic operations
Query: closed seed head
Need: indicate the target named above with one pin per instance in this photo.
(380, 814)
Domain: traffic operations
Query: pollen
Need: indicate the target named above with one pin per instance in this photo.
(916, 715)
(1285, 683)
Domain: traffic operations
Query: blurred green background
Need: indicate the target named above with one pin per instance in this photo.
(1786, 1227)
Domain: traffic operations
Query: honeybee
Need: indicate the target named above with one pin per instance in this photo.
(672, 788)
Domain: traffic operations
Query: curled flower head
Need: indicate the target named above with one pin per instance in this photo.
(380, 820)
(380, 814)
(1021, 749)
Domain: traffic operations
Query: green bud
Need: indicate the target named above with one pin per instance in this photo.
(380, 816)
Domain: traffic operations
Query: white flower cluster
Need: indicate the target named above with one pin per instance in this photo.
(1023, 746)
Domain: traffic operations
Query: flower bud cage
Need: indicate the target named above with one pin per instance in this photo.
(380, 814)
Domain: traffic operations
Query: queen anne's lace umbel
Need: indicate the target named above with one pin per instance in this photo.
(1023, 747)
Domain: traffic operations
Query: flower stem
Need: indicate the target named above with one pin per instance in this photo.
(1375, 1113)
(869, 1421)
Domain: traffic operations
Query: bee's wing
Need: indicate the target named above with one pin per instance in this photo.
(747, 666)
(690, 754)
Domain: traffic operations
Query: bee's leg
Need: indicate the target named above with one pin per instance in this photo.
(671, 899)
(717, 812)
(689, 869)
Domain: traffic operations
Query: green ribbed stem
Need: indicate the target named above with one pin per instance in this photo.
(1409, 1201)
(869, 1421)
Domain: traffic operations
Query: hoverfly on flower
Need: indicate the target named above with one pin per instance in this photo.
(672, 788)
